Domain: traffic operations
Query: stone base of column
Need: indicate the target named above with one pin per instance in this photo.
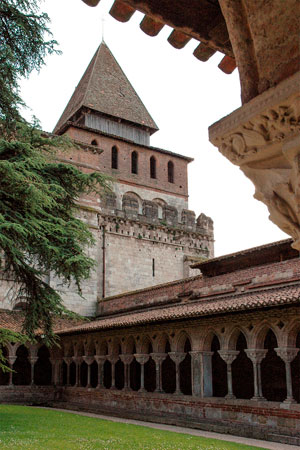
(127, 389)
(178, 393)
(289, 401)
(258, 398)
(230, 396)
(99, 387)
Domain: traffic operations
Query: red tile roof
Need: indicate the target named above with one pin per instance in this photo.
(13, 320)
(209, 306)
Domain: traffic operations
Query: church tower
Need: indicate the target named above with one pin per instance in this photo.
(145, 234)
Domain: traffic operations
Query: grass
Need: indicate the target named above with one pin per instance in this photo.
(23, 427)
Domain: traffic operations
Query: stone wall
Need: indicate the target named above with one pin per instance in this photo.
(243, 281)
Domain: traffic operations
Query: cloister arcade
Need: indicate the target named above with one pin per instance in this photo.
(260, 362)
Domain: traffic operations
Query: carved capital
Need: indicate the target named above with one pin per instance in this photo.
(287, 354)
(126, 359)
(113, 358)
(177, 357)
(68, 360)
(256, 355)
(77, 359)
(88, 359)
(100, 359)
(262, 137)
(11, 360)
(158, 357)
(228, 355)
(142, 358)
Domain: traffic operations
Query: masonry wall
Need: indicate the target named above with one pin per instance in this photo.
(198, 287)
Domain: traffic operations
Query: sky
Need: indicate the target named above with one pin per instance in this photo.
(183, 95)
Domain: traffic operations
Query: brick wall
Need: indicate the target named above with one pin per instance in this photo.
(123, 173)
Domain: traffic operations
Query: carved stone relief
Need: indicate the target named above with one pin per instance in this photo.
(263, 139)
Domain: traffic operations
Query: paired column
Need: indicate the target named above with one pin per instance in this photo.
(229, 356)
(78, 361)
(127, 360)
(32, 360)
(142, 358)
(177, 357)
(89, 361)
(288, 354)
(11, 360)
(68, 360)
(256, 356)
(201, 373)
(113, 359)
(100, 360)
(158, 358)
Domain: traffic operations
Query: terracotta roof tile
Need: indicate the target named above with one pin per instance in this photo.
(226, 304)
(105, 88)
(13, 320)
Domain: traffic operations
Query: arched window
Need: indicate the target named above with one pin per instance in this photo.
(114, 157)
(134, 162)
(152, 167)
(170, 172)
(94, 142)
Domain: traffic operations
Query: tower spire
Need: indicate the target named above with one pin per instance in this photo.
(105, 90)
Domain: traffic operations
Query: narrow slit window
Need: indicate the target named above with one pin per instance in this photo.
(152, 167)
(114, 157)
(153, 267)
(170, 172)
(134, 162)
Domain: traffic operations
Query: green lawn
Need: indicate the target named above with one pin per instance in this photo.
(23, 427)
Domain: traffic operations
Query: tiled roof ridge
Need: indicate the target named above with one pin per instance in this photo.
(152, 288)
(196, 309)
(128, 81)
(247, 251)
(217, 296)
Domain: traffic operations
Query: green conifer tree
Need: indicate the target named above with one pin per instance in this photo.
(39, 230)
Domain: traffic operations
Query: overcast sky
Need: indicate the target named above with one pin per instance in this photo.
(183, 95)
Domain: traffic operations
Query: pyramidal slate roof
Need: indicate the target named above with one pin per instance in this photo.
(105, 88)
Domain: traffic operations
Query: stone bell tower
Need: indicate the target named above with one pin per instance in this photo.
(145, 234)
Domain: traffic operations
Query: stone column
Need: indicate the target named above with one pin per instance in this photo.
(53, 370)
(113, 359)
(100, 360)
(288, 354)
(158, 358)
(229, 356)
(32, 360)
(127, 360)
(256, 356)
(201, 373)
(11, 360)
(177, 357)
(89, 361)
(142, 358)
(68, 360)
(59, 372)
(78, 361)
